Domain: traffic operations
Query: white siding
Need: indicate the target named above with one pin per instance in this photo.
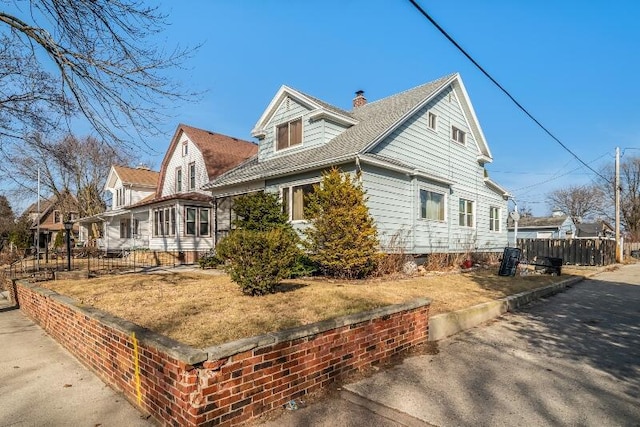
(178, 160)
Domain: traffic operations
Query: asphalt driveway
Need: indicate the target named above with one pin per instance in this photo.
(571, 359)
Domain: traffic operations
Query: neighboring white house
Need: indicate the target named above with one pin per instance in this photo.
(420, 155)
(168, 210)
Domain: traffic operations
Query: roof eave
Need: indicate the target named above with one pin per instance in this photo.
(408, 114)
(277, 174)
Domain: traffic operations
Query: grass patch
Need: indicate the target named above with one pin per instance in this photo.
(202, 310)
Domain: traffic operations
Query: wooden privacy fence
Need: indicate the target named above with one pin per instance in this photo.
(574, 251)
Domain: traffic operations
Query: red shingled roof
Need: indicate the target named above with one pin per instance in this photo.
(221, 152)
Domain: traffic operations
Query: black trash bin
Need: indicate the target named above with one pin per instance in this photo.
(549, 265)
(510, 260)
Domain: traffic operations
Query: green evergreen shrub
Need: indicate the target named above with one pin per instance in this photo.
(342, 238)
(259, 211)
(259, 260)
(263, 249)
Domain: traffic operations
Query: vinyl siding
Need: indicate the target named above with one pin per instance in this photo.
(434, 152)
(390, 204)
(314, 133)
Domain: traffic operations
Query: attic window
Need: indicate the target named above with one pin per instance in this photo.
(56, 217)
(433, 120)
(457, 135)
(289, 134)
(185, 148)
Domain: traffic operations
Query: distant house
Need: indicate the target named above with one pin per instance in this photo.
(168, 210)
(48, 218)
(595, 230)
(553, 227)
(419, 154)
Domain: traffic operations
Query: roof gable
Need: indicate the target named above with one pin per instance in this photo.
(319, 108)
(374, 121)
(219, 152)
(409, 102)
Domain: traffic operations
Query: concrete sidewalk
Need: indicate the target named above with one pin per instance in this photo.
(41, 384)
(573, 359)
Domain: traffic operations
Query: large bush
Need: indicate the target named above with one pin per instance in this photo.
(259, 260)
(263, 249)
(342, 238)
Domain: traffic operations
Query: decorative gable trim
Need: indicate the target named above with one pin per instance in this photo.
(259, 130)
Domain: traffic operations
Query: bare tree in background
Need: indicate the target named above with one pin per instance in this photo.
(92, 57)
(580, 202)
(77, 165)
(629, 195)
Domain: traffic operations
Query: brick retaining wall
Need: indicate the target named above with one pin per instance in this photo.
(230, 383)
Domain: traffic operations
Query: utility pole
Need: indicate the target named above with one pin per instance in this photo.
(617, 184)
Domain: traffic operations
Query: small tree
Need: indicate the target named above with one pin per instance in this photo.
(20, 234)
(263, 249)
(342, 238)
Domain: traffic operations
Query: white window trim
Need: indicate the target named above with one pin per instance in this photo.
(196, 220)
(446, 205)
(275, 134)
(195, 176)
(459, 130)
(435, 128)
(473, 214)
(499, 211)
(290, 187)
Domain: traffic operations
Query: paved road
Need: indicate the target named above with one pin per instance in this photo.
(571, 359)
(41, 384)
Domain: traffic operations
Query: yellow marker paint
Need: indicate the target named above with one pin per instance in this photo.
(136, 365)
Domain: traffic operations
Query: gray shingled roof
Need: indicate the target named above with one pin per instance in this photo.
(539, 222)
(373, 119)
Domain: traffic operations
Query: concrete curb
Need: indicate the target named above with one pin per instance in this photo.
(447, 324)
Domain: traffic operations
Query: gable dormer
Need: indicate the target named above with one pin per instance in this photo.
(294, 121)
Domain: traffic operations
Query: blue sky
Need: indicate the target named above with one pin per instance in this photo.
(573, 64)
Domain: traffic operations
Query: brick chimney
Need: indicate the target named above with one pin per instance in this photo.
(359, 100)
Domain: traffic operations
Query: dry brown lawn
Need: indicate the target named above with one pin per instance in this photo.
(202, 310)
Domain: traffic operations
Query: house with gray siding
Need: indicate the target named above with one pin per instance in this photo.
(419, 154)
(557, 226)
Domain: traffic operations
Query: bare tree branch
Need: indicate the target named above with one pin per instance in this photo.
(108, 68)
(580, 202)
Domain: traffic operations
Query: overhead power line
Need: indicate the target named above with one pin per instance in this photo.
(505, 91)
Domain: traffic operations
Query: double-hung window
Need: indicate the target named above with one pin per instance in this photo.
(289, 134)
(192, 176)
(457, 135)
(196, 221)
(494, 218)
(178, 180)
(164, 222)
(293, 201)
(431, 205)
(466, 213)
(432, 120)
